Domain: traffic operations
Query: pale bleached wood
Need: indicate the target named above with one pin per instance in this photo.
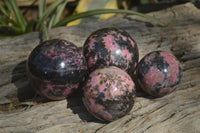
(178, 112)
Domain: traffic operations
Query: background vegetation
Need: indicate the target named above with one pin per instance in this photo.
(23, 16)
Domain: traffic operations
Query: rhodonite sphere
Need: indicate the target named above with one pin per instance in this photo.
(55, 68)
(111, 47)
(109, 93)
(159, 73)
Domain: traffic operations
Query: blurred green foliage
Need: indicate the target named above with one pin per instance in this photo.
(13, 22)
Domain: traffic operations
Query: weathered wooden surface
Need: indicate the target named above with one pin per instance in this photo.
(178, 112)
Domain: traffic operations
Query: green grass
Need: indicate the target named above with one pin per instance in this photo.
(12, 22)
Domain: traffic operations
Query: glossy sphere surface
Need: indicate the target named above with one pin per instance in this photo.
(111, 47)
(109, 93)
(55, 68)
(159, 73)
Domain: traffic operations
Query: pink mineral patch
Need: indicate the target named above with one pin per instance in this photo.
(94, 80)
(91, 61)
(113, 32)
(135, 65)
(63, 55)
(166, 91)
(110, 43)
(151, 56)
(132, 42)
(124, 38)
(91, 44)
(172, 76)
(114, 91)
(152, 77)
(68, 88)
(101, 87)
(173, 68)
(49, 87)
(95, 107)
(127, 81)
(126, 53)
(67, 92)
(107, 115)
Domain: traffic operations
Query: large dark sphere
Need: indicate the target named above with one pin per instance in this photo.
(111, 47)
(159, 73)
(55, 68)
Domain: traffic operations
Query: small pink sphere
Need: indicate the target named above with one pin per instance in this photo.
(159, 73)
(109, 93)
(111, 47)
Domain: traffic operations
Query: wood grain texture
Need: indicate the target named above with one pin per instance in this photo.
(179, 112)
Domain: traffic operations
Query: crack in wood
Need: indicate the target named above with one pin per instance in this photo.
(168, 117)
(4, 84)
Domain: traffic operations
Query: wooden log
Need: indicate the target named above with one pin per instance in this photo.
(178, 112)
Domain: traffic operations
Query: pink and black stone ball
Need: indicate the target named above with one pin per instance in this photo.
(159, 73)
(109, 93)
(111, 47)
(55, 68)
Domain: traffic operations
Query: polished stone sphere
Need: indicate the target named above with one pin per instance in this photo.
(159, 73)
(109, 93)
(111, 47)
(55, 68)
